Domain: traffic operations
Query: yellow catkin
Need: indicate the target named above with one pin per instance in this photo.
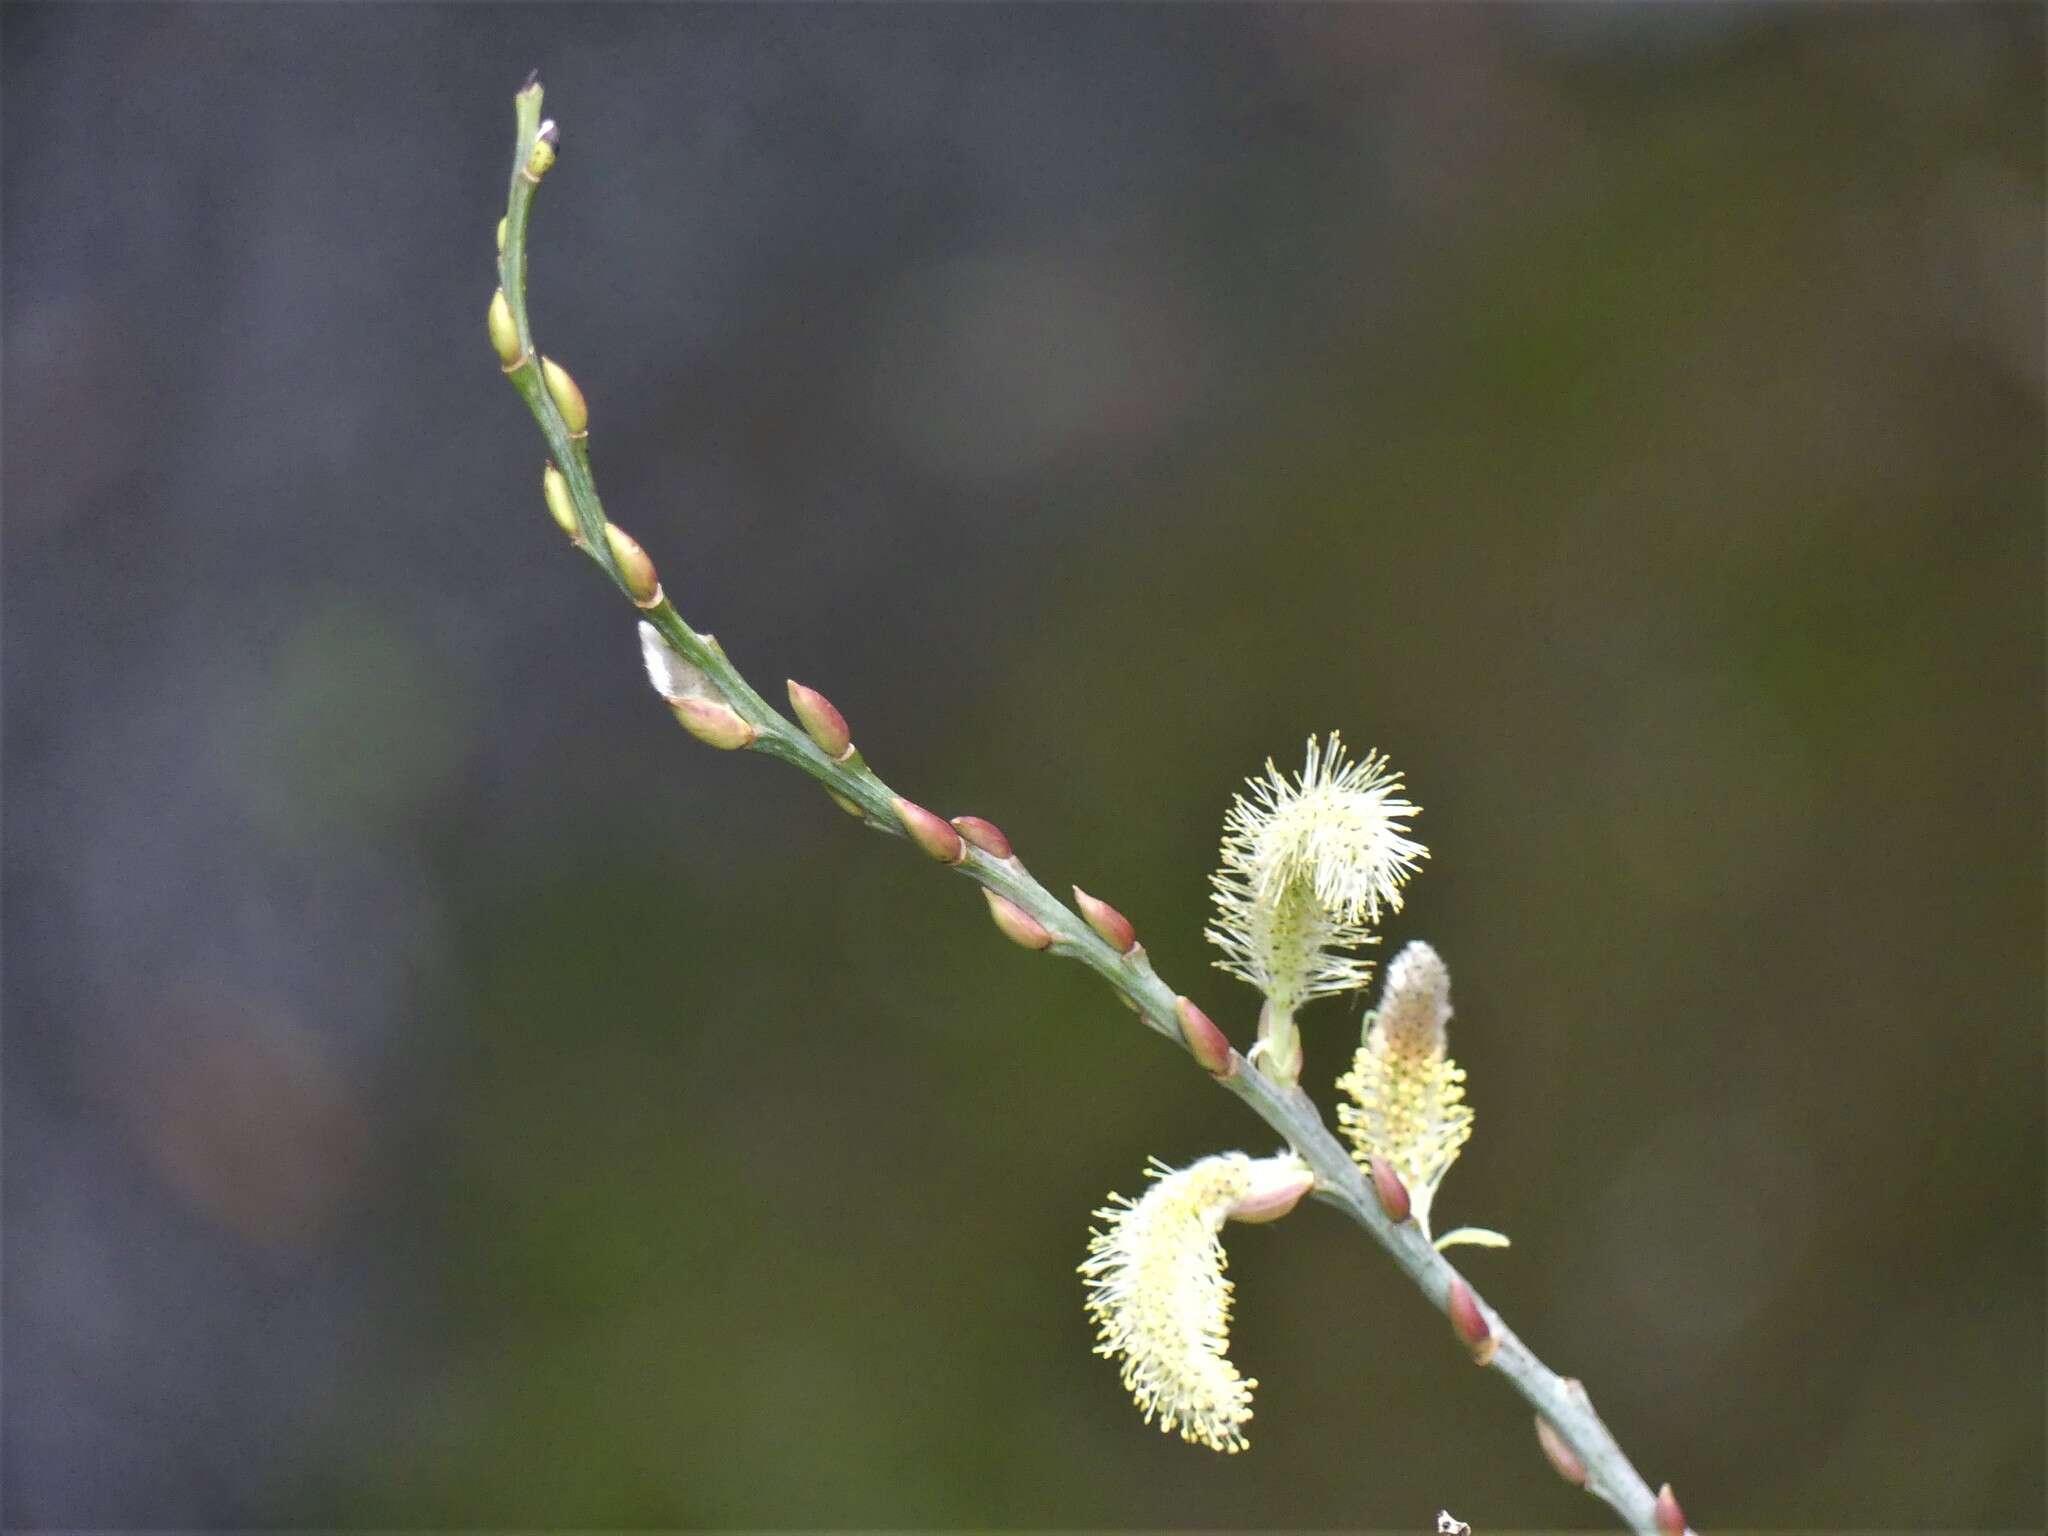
(1407, 1095)
(1308, 863)
(1161, 1301)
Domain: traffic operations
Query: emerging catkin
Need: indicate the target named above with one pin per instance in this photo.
(1407, 1096)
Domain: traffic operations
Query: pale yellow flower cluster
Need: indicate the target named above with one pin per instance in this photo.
(1308, 863)
(1407, 1095)
(1160, 1299)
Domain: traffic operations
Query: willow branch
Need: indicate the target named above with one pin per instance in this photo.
(729, 712)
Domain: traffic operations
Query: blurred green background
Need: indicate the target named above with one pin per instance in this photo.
(439, 1093)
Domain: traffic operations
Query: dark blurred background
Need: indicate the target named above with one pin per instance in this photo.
(438, 1092)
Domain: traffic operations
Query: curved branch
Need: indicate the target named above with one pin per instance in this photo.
(1560, 1403)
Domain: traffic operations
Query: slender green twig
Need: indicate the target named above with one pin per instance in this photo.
(1578, 1443)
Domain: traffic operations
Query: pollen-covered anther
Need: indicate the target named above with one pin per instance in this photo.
(636, 570)
(1015, 924)
(1562, 1458)
(1388, 1189)
(1110, 925)
(1669, 1517)
(505, 333)
(1160, 1300)
(1206, 1043)
(983, 834)
(714, 724)
(820, 719)
(568, 398)
(554, 486)
(1469, 1323)
(930, 831)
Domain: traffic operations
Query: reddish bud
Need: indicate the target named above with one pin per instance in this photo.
(929, 831)
(1205, 1042)
(1469, 1323)
(1393, 1194)
(1110, 925)
(713, 724)
(1669, 1517)
(1273, 1195)
(985, 835)
(820, 719)
(1017, 925)
(1562, 1458)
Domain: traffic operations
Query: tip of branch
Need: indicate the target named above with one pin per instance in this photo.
(532, 79)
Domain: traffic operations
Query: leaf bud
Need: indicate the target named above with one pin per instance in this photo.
(984, 834)
(642, 583)
(554, 485)
(1110, 925)
(505, 333)
(929, 831)
(716, 725)
(1015, 924)
(1392, 1193)
(1205, 1042)
(820, 719)
(567, 397)
(1562, 1458)
(1469, 1323)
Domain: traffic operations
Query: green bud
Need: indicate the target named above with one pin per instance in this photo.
(542, 155)
(635, 569)
(505, 332)
(561, 506)
(568, 398)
